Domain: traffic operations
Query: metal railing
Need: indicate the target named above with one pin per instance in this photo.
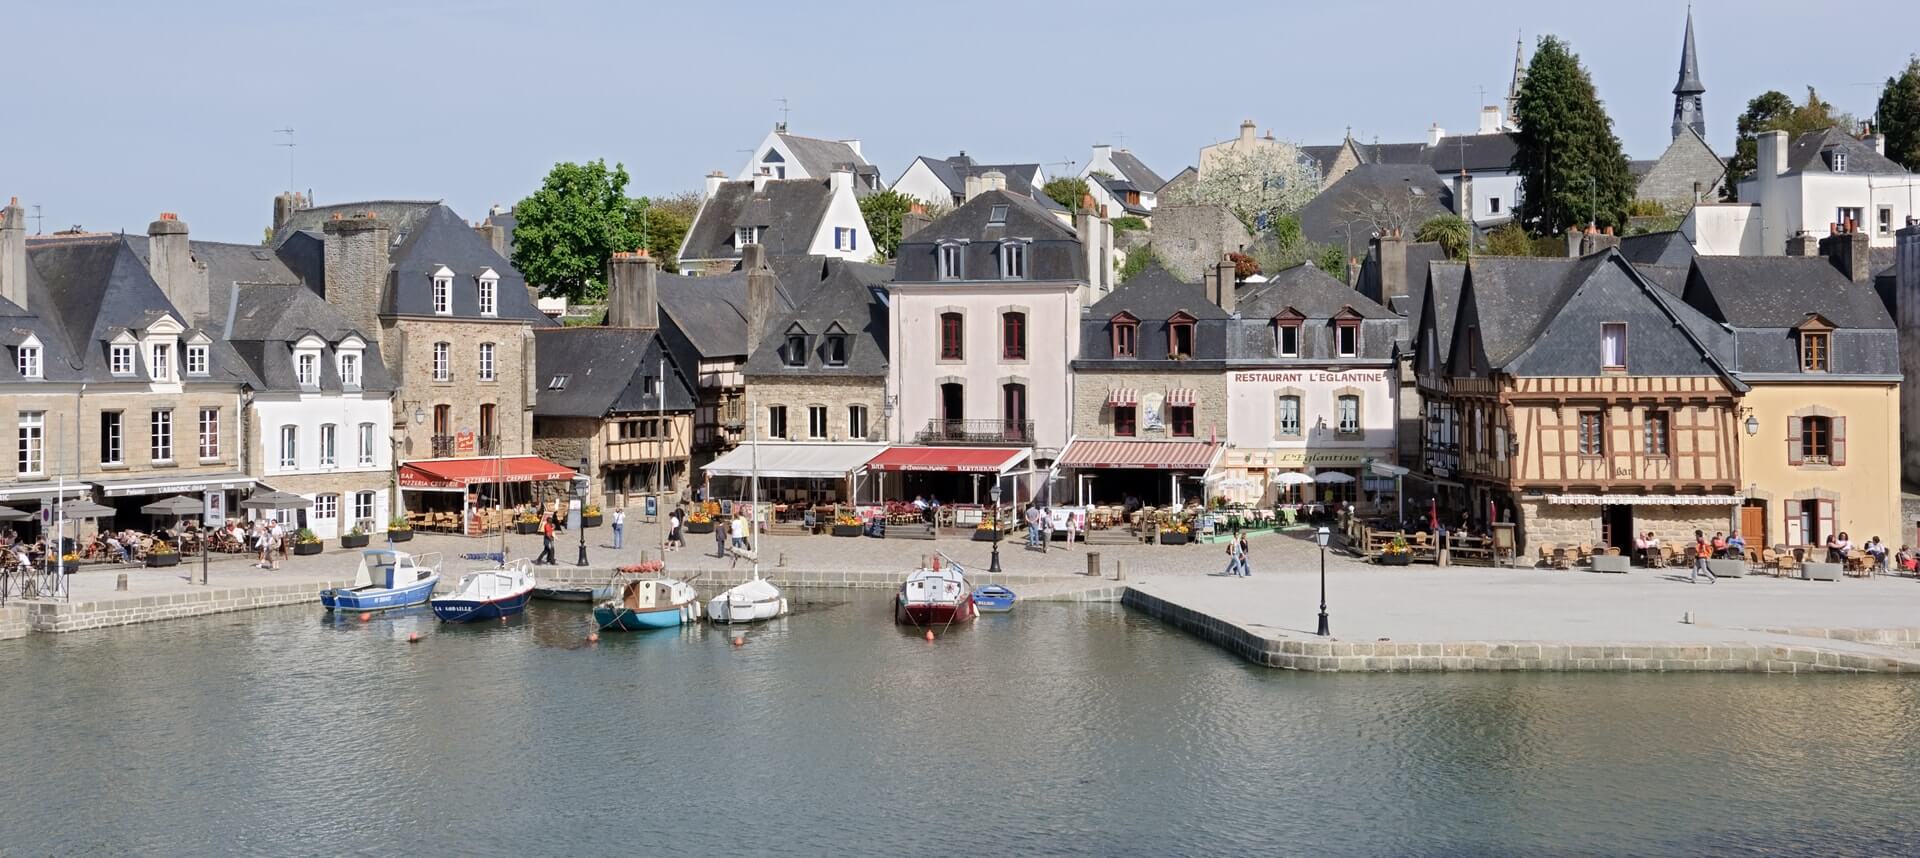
(489, 445)
(977, 432)
(442, 446)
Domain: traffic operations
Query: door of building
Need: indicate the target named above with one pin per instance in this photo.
(1616, 527)
(1753, 522)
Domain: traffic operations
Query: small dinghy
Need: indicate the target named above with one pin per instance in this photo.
(994, 598)
(563, 592)
(387, 579)
(654, 603)
(749, 602)
(488, 594)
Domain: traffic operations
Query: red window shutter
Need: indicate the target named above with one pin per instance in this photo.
(1793, 442)
(1839, 441)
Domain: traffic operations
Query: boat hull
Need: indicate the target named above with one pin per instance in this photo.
(476, 610)
(721, 610)
(629, 620)
(378, 599)
(934, 613)
(563, 594)
(994, 599)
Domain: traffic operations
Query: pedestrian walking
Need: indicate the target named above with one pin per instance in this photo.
(1701, 552)
(619, 527)
(546, 541)
(1233, 559)
(739, 537)
(1046, 528)
(675, 520)
(720, 531)
(1246, 558)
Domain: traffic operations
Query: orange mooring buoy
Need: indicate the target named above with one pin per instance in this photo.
(593, 637)
(365, 616)
(929, 634)
(413, 637)
(739, 641)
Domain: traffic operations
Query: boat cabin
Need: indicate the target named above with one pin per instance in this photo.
(935, 586)
(647, 595)
(387, 569)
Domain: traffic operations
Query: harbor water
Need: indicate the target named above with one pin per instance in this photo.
(1057, 729)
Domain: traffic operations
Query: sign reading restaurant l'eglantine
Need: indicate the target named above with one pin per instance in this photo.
(1313, 376)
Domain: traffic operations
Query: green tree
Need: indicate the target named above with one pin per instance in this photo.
(1066, 191)
(1899, 116)
(1774, 111)
(571, 226)
(1137, 261)
(883, 212)
(1128, 223)
(1451, 231)
(1570, 163)
(1259, 185)
(1285, 246)
(1508, 239)
(1332, 260)
(661, 225)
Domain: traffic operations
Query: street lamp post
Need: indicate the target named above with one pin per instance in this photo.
(582, 521)
(1321, 537)
(993, 568)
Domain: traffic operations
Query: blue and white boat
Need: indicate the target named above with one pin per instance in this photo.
(489, 594)
(387, 579)
(653, 603)
(994, 598)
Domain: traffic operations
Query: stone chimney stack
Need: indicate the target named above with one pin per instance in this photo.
(994, 180)
(1463, 197)
(1576, 242)
(1221, 279)
(760, 294)
(1848, 249)
(285, 204)
(855, 146)
(913, 221)
(633, 291)
(714, 180)
(1803, 243)
(1878, 141)
(13, 253)
(1246, 134)
(1390, 251)
(1770, 154)
(1095, 231)
(841, 179)
(1489, 119)
(760, 181)
(1434, 134)
(170, 261)
(971, 187)
(355, 255)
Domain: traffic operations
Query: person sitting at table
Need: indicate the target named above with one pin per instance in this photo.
(1736, 547)
(1906, 560)
(1838, 547)
(1719, 544)
(1877, 550)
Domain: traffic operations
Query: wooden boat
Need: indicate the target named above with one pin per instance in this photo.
(563, 592)
(387, 579)
(488, 594)
(994, 598)
(650, 603)
(749, 602)
(935, 596)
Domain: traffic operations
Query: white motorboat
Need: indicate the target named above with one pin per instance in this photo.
(749, 602)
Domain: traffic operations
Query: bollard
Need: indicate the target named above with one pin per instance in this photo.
(782, 562)
(121, 584)
(1119, 570)
(1093, 564)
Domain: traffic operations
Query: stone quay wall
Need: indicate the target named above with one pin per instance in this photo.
(1032, 588)
(1394, 657)
(107, 613)
(13, 622)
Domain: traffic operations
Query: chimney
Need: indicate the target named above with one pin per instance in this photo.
(1601, 240)
(1102, 152)
(1221, 275)
(760, 294)
(1463, 197)
(170, 261)
(1575, 238)
(1803, 243)
(1770, 154)
(760, 182)
(285, 204)
(972, 186)
(1390, 250)
(855, 146)
(1489, 119)
(13, 253)
(354, 254)
(1434, 133)
(1848, 250)
(913, 221)
(1246, 133)
(1878, 141)
(633, 291)
(993, 180)
(841, 179)
(714, 180)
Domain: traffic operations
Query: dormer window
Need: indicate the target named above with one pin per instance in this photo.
(1013, 260)
(1613, 345)
(1286, 333)
(997, 216)
(1180, 337)
(489, 293)
(746, 235)
(160, 361)
(1816, 350)
(196, 359)
(443, 291)
(796, 349)
(349, 369)
(120, 358)
(951, 256)
(1347, 339)
(29, 358)
(837, 350)
(1838, 158)
(1126, 335)
(307, 369)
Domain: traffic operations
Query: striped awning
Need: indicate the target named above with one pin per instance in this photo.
(1141, 455)
(1646, 500)
(1180, 396)
(1123, 396)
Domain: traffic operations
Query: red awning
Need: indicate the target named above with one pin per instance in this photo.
(1181, 396)
(1154, 455)
(460, 473)
(1122, 396)
(984, 460)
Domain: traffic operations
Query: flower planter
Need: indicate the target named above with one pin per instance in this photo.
(155, 561)
(590, 521)
(1728, 568)
(525, 528)
(1400, 559)
(848, 530)
(1819, 571)
(1168, 537)
(1611, 563)
(699, 527)
(403, 534)
(306, 548)
(360, 541)
(982, 535)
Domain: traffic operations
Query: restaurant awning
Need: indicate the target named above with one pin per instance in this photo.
(173, 484)
(1122, 396)
(43, 492)
(1146, 455)
(461, 473)
(794, 461)
(1646, 500)
(973, 460)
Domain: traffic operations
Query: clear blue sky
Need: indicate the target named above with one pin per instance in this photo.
(119, 111)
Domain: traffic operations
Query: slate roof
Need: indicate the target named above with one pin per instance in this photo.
(1153, 296)
(954, 172)
(1119, 188)
(1442, 287)
(1764, 297)
(1324, 219)
(1054, 252)
(1658, 248)
(818, 157)
(1807, 154)
(269, 319)
(1135, 171)
(57, 360)
(1405, 299)
(849, 301)
(1318, 297)
(609, 371)
(710, 312)
(399, 214)
(1480, 153)
(790, 209)
(1323, 156)
(1314, 293)
(437, 237)
(1672, 278)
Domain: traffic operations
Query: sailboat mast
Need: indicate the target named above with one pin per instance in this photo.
(753, 440)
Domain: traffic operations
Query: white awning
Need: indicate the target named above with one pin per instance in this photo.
(1382, 469)
(43, 492)
(175, 484)
(1646, 500)
(794, 461)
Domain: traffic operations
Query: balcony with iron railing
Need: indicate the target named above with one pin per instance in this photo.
(489, 445)
(443, 446)
(1017, 432)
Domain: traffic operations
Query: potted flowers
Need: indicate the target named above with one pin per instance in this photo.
(590, 516)
(700, 519)
(305, 542)
(1396, 553)
(847, 524)
(355, 538)
(1176, 532)
(526, 523)
(985, 531)
(398, 529)
(162, 554)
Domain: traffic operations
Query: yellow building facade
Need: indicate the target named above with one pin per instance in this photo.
(1823, 458)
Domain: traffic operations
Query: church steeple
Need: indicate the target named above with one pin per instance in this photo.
(1513, 89)
(1687, 109)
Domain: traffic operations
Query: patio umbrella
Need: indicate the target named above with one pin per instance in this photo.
(87, 509)
(1332, 478)
(8, 513)
(275, 500)
(175, 506)
(1293, 478)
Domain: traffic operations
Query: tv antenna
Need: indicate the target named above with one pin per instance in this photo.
(784, 111)
(288, 145)
(39, 220)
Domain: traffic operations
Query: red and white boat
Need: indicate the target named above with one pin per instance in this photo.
(935, 597)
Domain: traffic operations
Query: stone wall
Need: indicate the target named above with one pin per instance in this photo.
(13, 622)
(76, 616)
(1187, 239)
(136, 433)
(1093, 419)
(834, 392)
(565, 440)
(509, 391)
(1543, 523)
